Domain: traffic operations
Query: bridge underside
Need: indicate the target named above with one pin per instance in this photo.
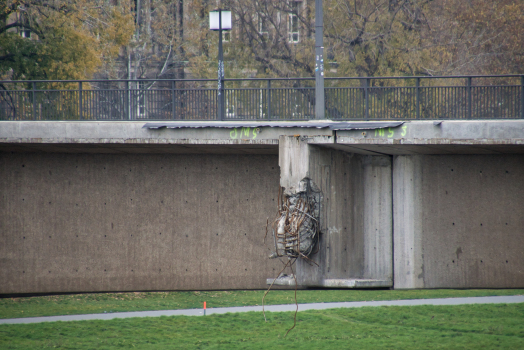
(102, 206)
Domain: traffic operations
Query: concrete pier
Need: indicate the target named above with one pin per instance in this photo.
(356, 220)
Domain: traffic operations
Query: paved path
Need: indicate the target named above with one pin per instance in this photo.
(273, 308)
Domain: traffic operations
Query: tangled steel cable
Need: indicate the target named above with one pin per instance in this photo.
(296, 227)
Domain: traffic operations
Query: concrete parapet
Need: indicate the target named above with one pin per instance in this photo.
(437, 137)
(368, 138)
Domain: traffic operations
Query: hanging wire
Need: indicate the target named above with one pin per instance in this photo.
(295, 230)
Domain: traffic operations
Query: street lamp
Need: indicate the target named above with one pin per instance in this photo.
(220, 20)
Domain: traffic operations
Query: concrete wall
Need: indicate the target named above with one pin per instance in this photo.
(116, 206)
(110, 222)
(340, 252)
(459, 221)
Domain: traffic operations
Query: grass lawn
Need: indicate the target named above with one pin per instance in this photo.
(141, 301)
(416, 327)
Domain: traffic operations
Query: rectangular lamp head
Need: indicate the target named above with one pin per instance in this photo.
(214, 19)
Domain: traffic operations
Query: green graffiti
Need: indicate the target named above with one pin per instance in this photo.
(244, 133)
(391, 132)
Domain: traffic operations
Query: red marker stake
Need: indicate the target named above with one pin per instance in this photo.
(204, 308)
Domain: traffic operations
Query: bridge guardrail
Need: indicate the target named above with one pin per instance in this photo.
(362, 98)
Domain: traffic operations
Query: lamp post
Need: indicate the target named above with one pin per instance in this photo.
(220, 20)
(319, 61)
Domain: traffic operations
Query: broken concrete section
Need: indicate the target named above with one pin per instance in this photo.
(295, 231)
(355, 220)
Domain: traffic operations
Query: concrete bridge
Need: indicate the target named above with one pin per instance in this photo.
(120, 206)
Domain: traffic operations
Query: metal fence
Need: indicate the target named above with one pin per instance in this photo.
(380, 98)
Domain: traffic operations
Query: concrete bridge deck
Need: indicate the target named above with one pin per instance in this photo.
(372, 138)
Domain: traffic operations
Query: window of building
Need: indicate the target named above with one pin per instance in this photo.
(25, 33)
(263, 25)
(293, 22)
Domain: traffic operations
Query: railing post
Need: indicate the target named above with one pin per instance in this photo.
(268, 99)
(128, 101)
(417, 96)
(173, 99)
(80, 100)
(366, 94)
(469, 98)
(522, 96)
(34, 100)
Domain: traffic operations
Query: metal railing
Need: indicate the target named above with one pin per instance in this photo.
(368, 98)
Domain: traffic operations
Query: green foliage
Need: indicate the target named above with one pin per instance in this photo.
(416, 327)
(420, 37)
(69, 39)
(74, 39)
(477, 36)
(377, 38)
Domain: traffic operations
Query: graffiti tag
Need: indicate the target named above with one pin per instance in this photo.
(390, 133)
(244, 133)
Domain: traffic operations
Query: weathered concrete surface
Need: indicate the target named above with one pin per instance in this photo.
(356, 283)
(355, 243)
(407, 217)
(459, 221)
(437, 137)
(413, 137)
(457, 229)
(294, 163)
(113, 134)
(110, 222)
(340, 253)
(131, 138)
(378, 218)
(473, 221)
(293, 160)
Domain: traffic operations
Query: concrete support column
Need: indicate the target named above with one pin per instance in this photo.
(407, 218)
(294, 162)
(378, 217)
(355, 245)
